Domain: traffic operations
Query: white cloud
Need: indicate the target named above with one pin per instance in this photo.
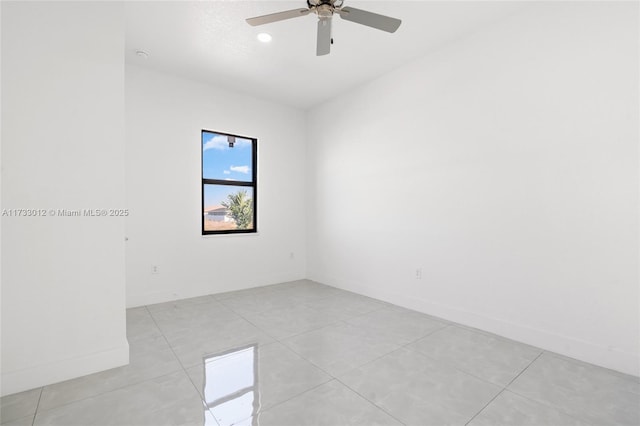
(217, 142)
(240, 169)
(242, 142)
(226, 172)
(221, 142)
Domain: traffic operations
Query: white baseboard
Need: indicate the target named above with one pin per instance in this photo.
(186, 292)
(602, 356)
(58, 371)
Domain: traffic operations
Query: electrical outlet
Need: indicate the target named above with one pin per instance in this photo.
(291, 256)
(419, 274)
(155, 269)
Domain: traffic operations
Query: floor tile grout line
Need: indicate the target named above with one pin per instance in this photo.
(432, 332)
(485, 406)
(309, 361)
(221, 301)
(182, 366)
(619, 374)
(301, 302)
(169, 345)
(345, 321)
(261, 329)
(296, 395)
(371, 402)
(399, 346)
(330, 376)
(451, 365)
(337, 322)
(342, 320)
(543, 403)
(348, 371)
(133, 383)
(489, 334)
(280, 339)
(108, 391)
(379, 308)
(547, 405)
(524, 369)
(33, 420)
(276, 340)
(333, 376)
(283, 290)
(493, 335)
(444, 326)
(184, 369)
(503, 389)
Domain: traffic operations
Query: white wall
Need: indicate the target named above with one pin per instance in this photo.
(164, 117)
(63, 278)
(509, 162)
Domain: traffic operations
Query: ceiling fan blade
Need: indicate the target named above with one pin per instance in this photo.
(324, 37)
(274, 17)
(369, 19)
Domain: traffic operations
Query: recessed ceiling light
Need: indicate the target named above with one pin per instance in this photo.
(142, 54)
(264, 37)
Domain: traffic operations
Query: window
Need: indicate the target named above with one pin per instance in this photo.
(228, 183)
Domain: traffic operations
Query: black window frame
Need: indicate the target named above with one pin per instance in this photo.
(250, 184)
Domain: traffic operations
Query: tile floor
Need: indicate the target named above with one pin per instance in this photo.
(302, 353)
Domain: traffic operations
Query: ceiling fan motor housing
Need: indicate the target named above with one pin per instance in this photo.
(324, 11)
(324, 8)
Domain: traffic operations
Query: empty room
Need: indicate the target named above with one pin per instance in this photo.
(320, 212)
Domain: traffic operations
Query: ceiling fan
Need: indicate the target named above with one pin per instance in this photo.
(325, 10)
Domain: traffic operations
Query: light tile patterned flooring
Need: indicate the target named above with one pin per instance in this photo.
(302, 353)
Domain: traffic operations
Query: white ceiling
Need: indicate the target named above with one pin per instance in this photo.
(210, 41)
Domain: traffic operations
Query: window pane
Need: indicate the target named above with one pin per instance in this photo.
(220, 161)
(228, 207)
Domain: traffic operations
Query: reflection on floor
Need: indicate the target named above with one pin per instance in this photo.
(302, 353)
(231, 390)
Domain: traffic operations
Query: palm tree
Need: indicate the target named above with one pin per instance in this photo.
(241, 209)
